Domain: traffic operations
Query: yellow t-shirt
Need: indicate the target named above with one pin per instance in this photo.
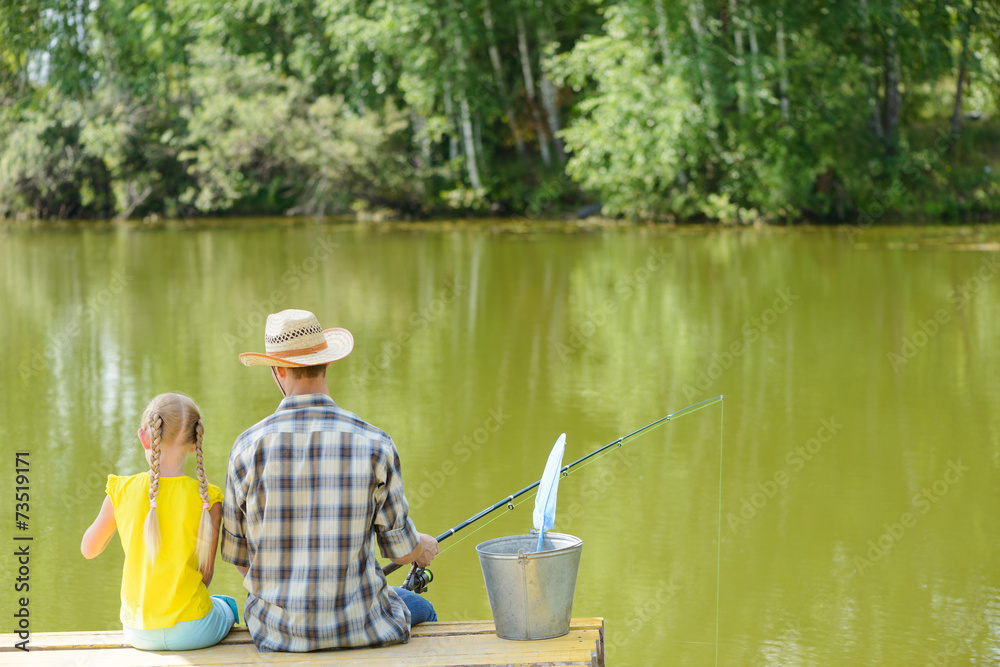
(171, 591)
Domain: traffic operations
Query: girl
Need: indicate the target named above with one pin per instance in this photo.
(165, 601)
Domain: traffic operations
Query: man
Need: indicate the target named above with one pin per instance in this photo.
(309, 491)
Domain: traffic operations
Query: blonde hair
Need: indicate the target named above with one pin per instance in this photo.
(174, 418)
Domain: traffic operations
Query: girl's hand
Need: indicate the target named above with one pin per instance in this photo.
(100, 532)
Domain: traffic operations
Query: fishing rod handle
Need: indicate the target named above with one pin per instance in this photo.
(392, 567)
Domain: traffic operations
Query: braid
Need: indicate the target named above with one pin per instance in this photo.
(199, 434)
(151, 529)
(205, 542)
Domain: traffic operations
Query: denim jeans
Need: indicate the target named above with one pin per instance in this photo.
(421, 610)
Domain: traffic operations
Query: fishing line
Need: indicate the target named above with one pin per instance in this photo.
(718, 541)
(498, 516)
(567, 470)
(511, 507)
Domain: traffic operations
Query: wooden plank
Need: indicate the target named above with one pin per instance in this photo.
(218, 656)
(486, 644)
(119, 658)
(240, 635)
(436, 645)
(599, 656)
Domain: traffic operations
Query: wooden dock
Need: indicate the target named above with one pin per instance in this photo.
(431, 645)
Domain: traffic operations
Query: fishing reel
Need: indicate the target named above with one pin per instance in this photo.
(417, 579)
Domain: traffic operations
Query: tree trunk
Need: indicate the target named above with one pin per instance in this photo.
(449, 111)
(696, 10)
(549, 95)
(754, 55)
(468, 141)
(741, 91)
(477, 132)
(661, 29)
(499, 80)
(956, 116)
(875, 123)
(420, 131)
(893, 97)
(529, 89)
(782, 67)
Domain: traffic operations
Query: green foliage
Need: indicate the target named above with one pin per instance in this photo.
(239, 113)
(43, 171)
(768, 110)
(627, 140)
(255, 139)
(726, 110)
(343, 159)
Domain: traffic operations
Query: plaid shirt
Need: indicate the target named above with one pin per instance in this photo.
(309, 491)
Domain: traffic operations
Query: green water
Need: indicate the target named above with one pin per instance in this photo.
(859, 489)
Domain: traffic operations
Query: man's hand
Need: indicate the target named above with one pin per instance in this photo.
(430, 550)
(422, 554)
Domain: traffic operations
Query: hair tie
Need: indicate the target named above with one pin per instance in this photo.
(204, 506)
(152, 504)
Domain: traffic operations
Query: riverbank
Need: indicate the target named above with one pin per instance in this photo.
(567, 223)
(932, 177)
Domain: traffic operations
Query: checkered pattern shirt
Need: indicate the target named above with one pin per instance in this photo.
(310, 490)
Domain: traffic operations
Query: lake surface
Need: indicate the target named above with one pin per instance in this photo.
(859, 434)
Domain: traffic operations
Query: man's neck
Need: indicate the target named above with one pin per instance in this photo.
(307, 386)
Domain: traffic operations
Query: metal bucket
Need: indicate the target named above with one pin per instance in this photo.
(531, 593)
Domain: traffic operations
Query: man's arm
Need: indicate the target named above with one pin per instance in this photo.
(234, 542)
(397, 537)
(423, 554)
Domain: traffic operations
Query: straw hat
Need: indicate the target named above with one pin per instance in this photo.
(295, 338)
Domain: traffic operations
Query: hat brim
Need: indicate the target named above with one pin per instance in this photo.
(339, 343)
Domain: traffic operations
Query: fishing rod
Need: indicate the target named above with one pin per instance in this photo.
(418, 578)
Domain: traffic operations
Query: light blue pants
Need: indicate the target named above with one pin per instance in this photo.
(187, 635)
